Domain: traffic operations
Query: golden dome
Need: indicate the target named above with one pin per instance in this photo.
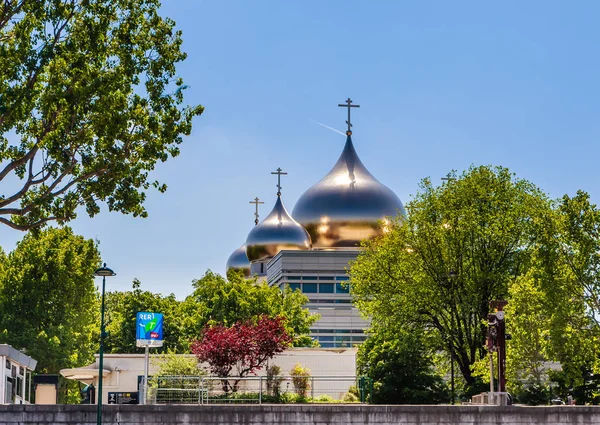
(276, 232)
(238, 260)
(347, 205)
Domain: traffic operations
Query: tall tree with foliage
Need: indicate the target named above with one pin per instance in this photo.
(579, 248)
(573, 291)
(551, 312)
(48, 301)
(228, 301)
(90, 101)
(460, 246)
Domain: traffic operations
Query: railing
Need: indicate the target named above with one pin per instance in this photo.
(255, 389)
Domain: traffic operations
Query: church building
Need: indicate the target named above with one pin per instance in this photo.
(311, 249)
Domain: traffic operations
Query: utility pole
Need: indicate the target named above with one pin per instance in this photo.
(496, 342)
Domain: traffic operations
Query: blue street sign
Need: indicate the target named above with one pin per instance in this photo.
(149, 329)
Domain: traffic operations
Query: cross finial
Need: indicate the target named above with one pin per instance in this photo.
(256, 202)
(348, 105)
(449, 177)
(279, 173)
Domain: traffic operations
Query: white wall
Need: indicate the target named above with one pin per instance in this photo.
(125, 368)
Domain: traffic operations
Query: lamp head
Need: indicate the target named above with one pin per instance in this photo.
(104, 271)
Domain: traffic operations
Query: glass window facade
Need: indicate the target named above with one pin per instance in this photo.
(342, 289)
(310, 288)
(326, 288)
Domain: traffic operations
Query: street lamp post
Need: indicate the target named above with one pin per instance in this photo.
(452, 276)
(102, 271)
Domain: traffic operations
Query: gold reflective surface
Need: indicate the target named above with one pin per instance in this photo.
(346, 206)
(238, 260)
(276, 232)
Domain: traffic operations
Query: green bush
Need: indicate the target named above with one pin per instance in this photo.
(350, 397)
(401, 367)
(288, 398)
(301, 379)
(274, 380)
(323, 399)
(534, 395)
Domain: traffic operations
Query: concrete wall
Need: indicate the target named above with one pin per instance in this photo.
(298, 414)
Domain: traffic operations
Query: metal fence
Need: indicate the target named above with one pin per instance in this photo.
(255, 389)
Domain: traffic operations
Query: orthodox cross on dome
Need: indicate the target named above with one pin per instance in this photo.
(348, 105)
(256, 202)
(449, 177)
(279, 173)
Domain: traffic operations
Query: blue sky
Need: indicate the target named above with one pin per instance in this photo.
(442, 85)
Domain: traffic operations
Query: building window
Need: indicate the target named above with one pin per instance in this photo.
(310, 277)
(19, 386)
(309, 288)
(342, 289)
(294, 286)
(341, 278)
(325, 338)
(326, 288)
(28, 387)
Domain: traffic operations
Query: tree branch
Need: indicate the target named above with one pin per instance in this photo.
(27, 226)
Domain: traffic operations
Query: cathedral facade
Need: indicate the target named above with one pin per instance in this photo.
(311, 249)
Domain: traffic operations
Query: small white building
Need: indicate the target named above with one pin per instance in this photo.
(16, 384)
(122, 374)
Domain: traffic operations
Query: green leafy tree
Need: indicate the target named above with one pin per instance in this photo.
(173, 364)
(89, 103)
(401, 366)
(580, 245)
(121, 312)
(574, 292)
(229, 301)
(48, 301)
(461, 245)
(550, 312)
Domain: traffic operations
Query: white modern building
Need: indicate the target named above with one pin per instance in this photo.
(16, 385)
(333, 369)
(322, 276)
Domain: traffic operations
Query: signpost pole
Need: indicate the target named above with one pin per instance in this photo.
(146, 364)
(491, 397)
(149, 333)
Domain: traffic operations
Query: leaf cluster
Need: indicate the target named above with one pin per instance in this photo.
(90, 102)
(48, 302)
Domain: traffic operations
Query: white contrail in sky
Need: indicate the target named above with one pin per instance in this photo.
(330, 128)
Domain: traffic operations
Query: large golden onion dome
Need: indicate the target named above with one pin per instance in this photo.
(347, 205)
(238, 260)
(276, 232)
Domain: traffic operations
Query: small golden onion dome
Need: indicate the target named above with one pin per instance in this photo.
(238, 260)
(276, 232)
(347, 205)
